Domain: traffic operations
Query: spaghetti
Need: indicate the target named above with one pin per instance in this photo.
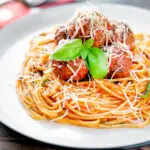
(95, 103)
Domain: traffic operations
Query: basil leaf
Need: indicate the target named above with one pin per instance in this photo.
(147, 92)
(97, 63)
(68, 51)
(84, 52)
(89, 43)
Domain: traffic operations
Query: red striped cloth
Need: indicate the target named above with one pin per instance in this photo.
(15, 10)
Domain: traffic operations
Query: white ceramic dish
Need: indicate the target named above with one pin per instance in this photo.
(13, 45)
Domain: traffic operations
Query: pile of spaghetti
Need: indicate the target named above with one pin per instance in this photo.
(108, 102)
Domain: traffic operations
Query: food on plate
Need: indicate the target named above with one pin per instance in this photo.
(121, 32)
(120, 61)
(92, 72)
(65, 70)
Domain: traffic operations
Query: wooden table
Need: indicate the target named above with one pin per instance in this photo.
(11, 140)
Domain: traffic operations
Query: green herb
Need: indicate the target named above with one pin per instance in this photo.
(147, 92)
(89, 43)
(84, 52)
(97, 63)
(95, 58)
(43, 82)
(68, 51)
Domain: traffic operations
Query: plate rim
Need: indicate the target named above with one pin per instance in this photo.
(3, 121)
(146, 143)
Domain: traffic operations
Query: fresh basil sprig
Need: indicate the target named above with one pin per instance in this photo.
(68, 51)
(147, 92)
(95, 58)
(97, 63)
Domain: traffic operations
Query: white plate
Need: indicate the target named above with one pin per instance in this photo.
(14, 43)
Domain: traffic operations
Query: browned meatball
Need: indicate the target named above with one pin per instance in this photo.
(61, 33)
(121, 63)
(122, 33)
(99, 38)
(79, 30)
(75, 70)
(101, 33)
(86, 27)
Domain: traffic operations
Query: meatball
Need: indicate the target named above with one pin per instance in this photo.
(61, 33)
(75, 70)
(121, 62)
(122, 33)
(90, 25)
(81, 29)
(99, 38)
(87, 28)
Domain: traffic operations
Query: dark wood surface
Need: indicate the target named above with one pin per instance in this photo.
(11, 140)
